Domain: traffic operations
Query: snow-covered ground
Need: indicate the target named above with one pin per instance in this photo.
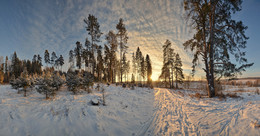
(128, 112)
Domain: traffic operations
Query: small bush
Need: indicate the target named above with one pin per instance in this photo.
(233, 95)
(197, 95)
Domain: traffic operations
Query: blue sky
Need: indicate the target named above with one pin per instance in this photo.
(31, 26)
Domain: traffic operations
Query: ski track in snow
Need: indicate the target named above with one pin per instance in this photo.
(177, 115)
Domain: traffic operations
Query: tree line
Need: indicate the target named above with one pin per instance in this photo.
(102, 62)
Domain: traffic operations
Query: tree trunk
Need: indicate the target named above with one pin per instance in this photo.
(211, 87)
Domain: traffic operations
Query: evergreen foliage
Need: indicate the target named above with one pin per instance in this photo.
(47, 57)
(95, 34)
(122, 35)
(178, 71)
(73, 81)
(217, 37)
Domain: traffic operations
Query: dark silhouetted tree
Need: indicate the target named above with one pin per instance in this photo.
(217, 36)
(47, 57)
(78, 54)
(178, 71)
(95, 34)
(148, 69)
(122, 35)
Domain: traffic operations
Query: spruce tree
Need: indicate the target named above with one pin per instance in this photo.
(138, 60)
(148, 69)
(178, 71)
(165, 74)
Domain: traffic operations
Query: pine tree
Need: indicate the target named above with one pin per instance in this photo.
(86, 54)
(110, 54)
(46, 57)
(6, 71)
(39, 59)
(61, 61)
(122, 34)
(53, 58)
(71, 58)
(95, 34)
(216, 37)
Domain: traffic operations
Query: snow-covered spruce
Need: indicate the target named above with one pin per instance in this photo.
(79, 80)
(50, 84)
(87, 81)
(22, 83)
(73, 81)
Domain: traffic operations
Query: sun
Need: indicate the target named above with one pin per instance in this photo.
(155, 76)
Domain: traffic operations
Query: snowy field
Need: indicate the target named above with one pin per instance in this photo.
(128, 112)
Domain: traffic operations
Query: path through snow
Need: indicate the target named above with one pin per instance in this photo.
(178, 115)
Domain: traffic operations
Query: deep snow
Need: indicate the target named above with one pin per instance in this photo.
(128, 112)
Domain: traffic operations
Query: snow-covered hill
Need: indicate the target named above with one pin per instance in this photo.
(128, 112)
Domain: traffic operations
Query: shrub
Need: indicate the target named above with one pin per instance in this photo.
(50, 84)
(73, 82)
(87, 81)
(21, 83)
